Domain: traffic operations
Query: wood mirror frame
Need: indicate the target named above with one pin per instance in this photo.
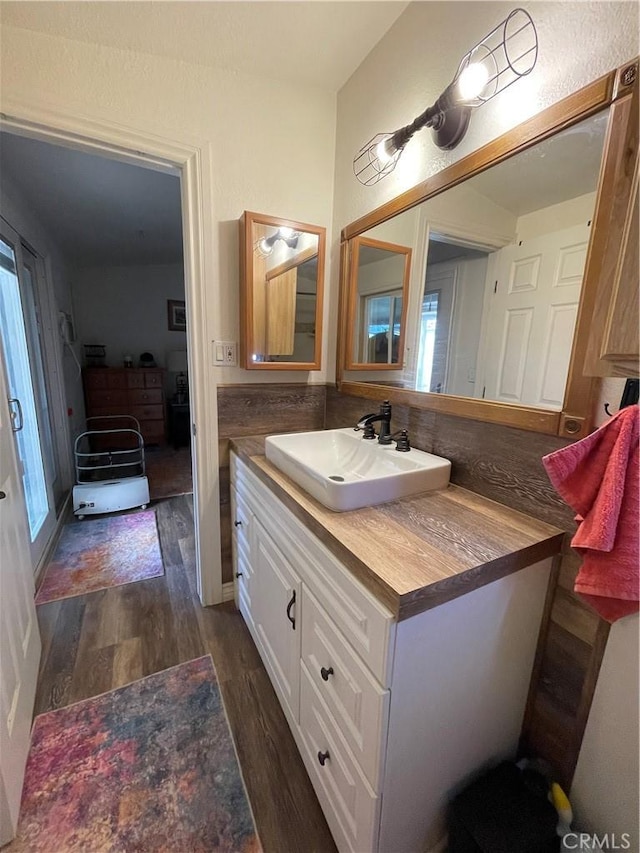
(248, 273)
(617, 89)
(356, 244)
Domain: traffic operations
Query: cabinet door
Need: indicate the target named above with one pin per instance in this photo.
(276, 606)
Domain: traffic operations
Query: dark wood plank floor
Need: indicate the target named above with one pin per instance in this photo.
(94, 643)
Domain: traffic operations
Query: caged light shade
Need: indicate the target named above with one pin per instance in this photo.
(506, 54)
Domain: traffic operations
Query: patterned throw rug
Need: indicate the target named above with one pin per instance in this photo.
(101, 552)
(146, 767)
(168, 472)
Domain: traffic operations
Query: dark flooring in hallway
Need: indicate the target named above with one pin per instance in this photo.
(96, 642)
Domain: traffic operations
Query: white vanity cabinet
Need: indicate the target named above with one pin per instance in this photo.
(391, 718)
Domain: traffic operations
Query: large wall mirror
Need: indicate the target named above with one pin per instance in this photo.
(500, 244)
(281, 287)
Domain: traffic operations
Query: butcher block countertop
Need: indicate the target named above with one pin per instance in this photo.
(416, 553)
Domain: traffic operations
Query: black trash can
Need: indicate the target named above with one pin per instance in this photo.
(505, 811)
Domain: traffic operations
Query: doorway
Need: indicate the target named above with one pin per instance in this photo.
(184, 161)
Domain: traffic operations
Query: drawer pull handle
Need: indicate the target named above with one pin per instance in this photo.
(238, 574)
(325, 673)
(323, 756)
(237, 524)
(289, 606)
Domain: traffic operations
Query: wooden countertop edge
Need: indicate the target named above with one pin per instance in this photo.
(403, 606)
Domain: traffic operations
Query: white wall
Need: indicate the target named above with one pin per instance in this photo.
(125, 308)
(605, 788)
(575, 211)
(269, 145)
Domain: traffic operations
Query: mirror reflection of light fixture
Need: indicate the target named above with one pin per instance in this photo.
(265, 245)
(506, 54)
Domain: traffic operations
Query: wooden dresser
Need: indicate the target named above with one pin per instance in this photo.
(128, 391)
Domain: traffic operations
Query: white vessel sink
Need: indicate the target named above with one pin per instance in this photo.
(344, 471)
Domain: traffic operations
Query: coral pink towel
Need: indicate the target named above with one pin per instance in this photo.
(599, 477)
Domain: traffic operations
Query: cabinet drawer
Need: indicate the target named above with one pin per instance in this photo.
(107, 399)
(241, 519)
(143, 397)
(348, 802)
(357, 701)
(148, 413)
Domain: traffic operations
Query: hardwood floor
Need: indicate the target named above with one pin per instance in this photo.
(94, 643)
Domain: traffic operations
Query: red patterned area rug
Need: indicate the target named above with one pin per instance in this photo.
(147, 767)
(168, 472)
(101, 552)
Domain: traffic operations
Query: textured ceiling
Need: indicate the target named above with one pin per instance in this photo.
(318, 43)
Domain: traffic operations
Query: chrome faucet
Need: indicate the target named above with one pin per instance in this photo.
(384, 417)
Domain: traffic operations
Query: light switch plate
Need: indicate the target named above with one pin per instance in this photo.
(224, 353)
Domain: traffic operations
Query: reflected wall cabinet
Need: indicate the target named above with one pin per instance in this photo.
(128, 391)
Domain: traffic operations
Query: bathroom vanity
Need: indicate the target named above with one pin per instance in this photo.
(399, 639)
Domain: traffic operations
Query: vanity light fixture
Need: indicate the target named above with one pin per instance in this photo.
(264, 247)
(506, 54)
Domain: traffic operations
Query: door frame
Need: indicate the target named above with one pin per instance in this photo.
(192, 161)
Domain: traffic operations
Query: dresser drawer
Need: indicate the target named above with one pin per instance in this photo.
(153, 432)
(358, 702)
(134, 378)
(348, 801)
(107, 399)
(148, 413)
(153, 379)
(145, 396)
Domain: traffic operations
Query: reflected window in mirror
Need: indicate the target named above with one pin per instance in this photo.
(378, 303)
(282, 273)
(496, 276)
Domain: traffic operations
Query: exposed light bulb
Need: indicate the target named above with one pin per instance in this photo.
(472, 81)
(285, 233)
(265, 247)
(382, 150)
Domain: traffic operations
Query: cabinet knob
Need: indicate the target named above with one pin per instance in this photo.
(237, 524)
(238, 574)
(2, 495)
(325, 673)
(323, 756)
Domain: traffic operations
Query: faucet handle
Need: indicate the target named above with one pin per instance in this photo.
(401, 439)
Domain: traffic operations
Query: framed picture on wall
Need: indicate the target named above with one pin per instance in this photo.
(177, 315)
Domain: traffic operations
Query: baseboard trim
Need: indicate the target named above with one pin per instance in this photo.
(227, 591)
(38, 575)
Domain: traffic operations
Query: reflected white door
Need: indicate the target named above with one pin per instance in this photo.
(19, 636)
(533, 315)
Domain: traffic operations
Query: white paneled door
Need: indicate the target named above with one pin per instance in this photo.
(19, 636)
(533, 314)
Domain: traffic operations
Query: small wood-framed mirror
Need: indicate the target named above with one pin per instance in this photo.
(378, 290)
(281, 292)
